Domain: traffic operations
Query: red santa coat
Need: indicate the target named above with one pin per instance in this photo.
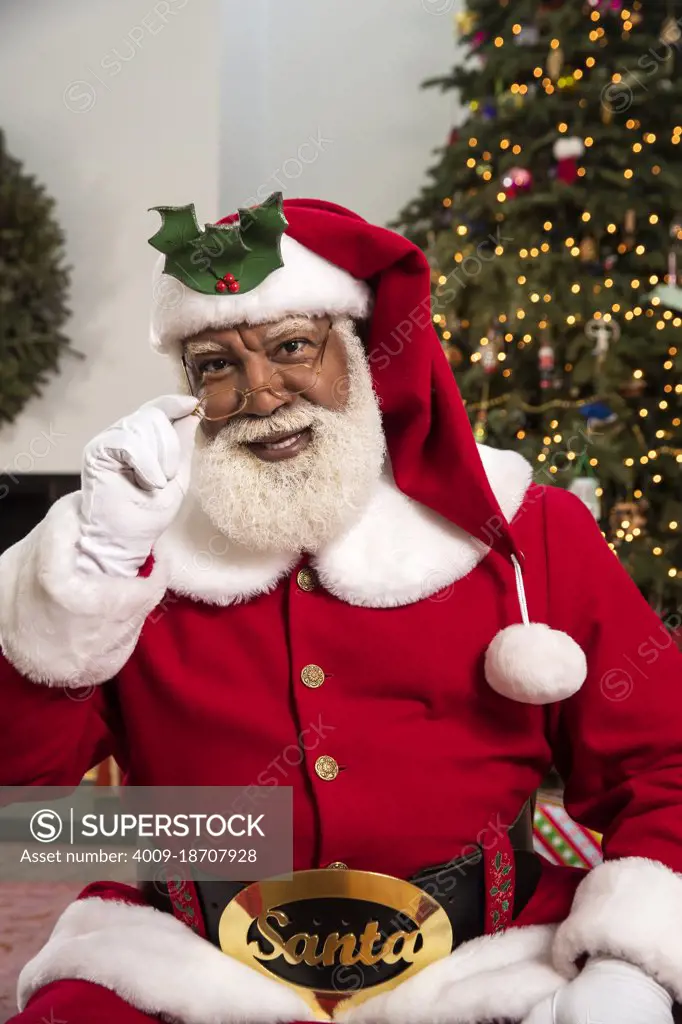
(400, 614)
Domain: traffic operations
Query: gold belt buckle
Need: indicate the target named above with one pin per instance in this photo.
(335, 936)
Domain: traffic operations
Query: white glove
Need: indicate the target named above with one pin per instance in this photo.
(607, 992)
(134, 479)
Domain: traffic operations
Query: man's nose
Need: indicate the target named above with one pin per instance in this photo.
(261, 401)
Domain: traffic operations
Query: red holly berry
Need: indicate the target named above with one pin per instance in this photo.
(220, 286)
(233, 286)
(229, 278)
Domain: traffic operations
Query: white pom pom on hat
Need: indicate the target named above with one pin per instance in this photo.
(532, 663)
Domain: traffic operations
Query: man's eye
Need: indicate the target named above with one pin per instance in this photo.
(210, 366)
(294, 347)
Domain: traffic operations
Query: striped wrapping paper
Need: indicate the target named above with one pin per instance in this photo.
(561, 840)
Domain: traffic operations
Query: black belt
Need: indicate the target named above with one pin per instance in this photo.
(458, 885)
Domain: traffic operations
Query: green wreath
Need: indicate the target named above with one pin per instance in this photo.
(33, 287)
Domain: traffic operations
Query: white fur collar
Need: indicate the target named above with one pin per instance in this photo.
(397, 553)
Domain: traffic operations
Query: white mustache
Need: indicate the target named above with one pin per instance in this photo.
(248, 431)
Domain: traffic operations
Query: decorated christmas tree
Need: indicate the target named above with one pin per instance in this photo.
(552, 222)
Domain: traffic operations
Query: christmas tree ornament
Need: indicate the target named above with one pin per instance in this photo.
(597, 414)
(489, 111)
(632, 388)
(567, 151)
(546, 363)
(466, 22)
(670, 32)
(454, 355)
(555, 63)
(627, 516)
(671, 276)
(517, 180)
(629, 227)
(668, 295)
(588, 489)
(488, 358)
(588, 249)
(478, 39)
(528, 36)
(675, 235)
(454, 136)
(484, 168)
(603, 333)
(610, 259)
(489, 349)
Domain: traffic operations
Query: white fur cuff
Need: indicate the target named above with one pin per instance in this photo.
(158, 965)
(630, 909)
(60, 626)
(491, 978)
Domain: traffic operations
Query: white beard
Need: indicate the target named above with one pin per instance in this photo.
(297, 504)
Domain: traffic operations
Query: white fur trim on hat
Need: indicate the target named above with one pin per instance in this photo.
(306, 284)
(535, 664)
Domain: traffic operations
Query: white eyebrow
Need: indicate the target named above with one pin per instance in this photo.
(292, 323)
(198, 348)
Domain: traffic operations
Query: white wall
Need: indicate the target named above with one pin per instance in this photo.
(348, 71)
(114, 106)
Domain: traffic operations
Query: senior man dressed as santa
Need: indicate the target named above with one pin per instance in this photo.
(331, 555)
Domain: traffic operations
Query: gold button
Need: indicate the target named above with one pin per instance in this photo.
(337, 865)
(312, 676)
(306, 579)
(326, 767)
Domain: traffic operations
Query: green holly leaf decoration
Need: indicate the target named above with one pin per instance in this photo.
(498, 861)
(505, 886)
(494, 890)
(178, 227)
(223, 258)
(505, 905)
(506, 869)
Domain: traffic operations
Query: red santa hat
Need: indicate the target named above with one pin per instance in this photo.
(334, 262)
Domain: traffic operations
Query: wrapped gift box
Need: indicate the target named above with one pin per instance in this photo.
(560, 839)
